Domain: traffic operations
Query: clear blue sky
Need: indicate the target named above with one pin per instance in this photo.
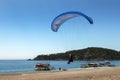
(25, 27)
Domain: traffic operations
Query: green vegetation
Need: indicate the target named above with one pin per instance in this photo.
(91, 53)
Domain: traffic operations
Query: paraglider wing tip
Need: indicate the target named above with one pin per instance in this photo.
(54, 30)
(91, 23)
(91, 20)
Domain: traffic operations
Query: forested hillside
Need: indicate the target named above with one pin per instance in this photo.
(91, 53)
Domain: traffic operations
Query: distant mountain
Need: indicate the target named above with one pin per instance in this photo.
(90, 53)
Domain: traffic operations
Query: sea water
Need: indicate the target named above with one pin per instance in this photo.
(16, 66)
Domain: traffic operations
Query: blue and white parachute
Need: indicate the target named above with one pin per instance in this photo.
(60, 19)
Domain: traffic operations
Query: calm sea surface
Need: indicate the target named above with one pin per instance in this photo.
(15, 66)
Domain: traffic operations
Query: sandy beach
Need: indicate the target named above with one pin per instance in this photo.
(112, 73)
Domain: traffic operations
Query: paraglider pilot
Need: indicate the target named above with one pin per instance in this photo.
(70, 59)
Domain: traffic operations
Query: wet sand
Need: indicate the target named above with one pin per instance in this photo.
(110, 73)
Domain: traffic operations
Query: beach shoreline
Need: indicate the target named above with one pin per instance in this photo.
(105, 73)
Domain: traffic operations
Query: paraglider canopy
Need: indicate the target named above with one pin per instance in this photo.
(60, 19)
